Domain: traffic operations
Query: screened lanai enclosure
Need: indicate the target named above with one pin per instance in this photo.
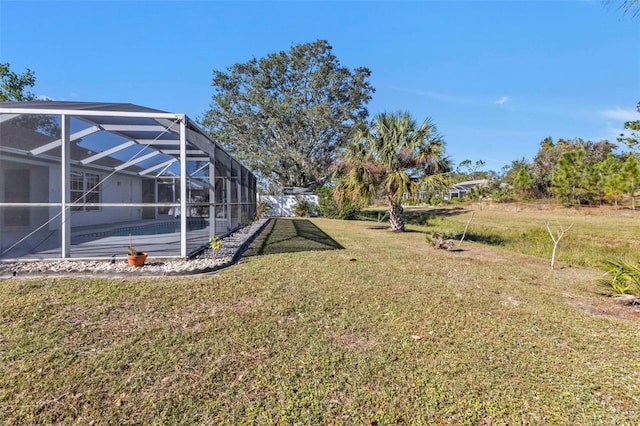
(85, 180)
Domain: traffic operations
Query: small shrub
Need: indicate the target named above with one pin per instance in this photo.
(244, 220)
(621, 277)
(132, 250)
(502, 195)
(261, 208)
(215, 243)
(436, 200)
(304, 207)
(328, 207)
(476, 193)
(442, 240)
(350, 212)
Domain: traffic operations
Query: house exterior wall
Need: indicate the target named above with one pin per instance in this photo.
(45, 187)
(36, 192)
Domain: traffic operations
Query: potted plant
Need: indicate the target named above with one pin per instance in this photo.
(135, 257)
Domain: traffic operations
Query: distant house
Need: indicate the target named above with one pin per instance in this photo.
(74, 174)
(460, 189)
(296, 190)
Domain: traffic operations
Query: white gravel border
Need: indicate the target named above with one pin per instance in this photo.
(233, 245)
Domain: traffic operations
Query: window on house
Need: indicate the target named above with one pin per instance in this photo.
(85, 190)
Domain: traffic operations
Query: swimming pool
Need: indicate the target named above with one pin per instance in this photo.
(159, 228)
(153, 228)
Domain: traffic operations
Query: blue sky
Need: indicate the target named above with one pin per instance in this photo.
(496, 77)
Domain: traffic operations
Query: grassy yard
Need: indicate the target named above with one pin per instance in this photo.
(327, 322)
(598, 233)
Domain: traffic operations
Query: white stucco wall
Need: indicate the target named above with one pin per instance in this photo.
(285, 205)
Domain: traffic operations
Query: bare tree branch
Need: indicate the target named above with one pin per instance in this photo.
(556, 241)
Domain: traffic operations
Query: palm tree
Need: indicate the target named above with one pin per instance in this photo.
(627, 6)
(392, 157)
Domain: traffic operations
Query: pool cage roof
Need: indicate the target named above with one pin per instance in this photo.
(154, 135)
(118, 138)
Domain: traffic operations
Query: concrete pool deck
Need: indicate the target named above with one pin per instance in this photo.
(99, 242)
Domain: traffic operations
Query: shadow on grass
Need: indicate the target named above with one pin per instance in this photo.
(413, 216)
(283, 235)
(486, 238)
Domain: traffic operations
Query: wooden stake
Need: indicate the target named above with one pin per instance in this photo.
(465, 229)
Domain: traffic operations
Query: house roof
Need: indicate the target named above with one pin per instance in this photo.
(296, 190)
(465, 186)
(470, 183)
(128, 137)
(66, 106)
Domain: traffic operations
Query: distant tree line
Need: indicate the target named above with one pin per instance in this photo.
(573, 172)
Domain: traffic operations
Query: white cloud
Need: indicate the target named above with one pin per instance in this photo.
(503, 100)
(620, 114)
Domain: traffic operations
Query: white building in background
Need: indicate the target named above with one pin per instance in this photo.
(285, 205)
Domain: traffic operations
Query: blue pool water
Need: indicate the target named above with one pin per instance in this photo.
(147, 229)
(158, 228)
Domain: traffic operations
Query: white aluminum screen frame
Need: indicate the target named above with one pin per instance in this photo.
(192, 142)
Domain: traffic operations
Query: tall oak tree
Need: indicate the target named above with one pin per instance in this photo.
(285, 115)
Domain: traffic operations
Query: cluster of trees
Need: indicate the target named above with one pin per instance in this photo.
(13, 86)
(573, 172)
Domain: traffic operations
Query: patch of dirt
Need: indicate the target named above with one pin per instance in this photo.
(509, 300)
(356, 343)
(605, 306)
(246, 305)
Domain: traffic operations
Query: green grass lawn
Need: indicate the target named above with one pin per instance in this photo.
(362, 326)
(597, 233)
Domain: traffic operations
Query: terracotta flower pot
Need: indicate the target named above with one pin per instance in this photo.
(136, 259)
